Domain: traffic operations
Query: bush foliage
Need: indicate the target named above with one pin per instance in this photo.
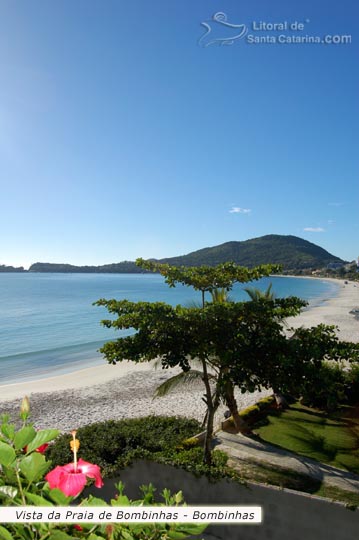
(168, 440)
(332, 386)
(250, 414)
(22, 483)
(114, 443)
(351, 384)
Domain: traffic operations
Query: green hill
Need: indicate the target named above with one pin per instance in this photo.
(125, 267)
(4, 268)
(290, 251)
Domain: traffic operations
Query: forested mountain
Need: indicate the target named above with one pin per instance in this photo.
(290, 251)
(125, 267)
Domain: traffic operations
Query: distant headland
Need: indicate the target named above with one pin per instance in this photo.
(293, 253)
(4, 268)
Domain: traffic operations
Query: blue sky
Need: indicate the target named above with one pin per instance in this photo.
(121, 136)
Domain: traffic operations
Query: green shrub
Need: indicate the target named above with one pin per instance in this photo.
(325, 388)
(192, 460)
(249, 413)
(266, 402)
(113, 444)
(351, 379)
(22, 483)
(186, 444)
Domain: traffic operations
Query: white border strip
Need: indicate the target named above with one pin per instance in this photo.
(131, 514)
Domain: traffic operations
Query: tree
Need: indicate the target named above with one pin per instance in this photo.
(257, 294)
(220, 296)
(225, 388)
(209, 278)
(176, 335)
(236, 343)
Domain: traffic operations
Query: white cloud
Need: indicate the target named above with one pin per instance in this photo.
(237, 210)
(335, 204)
(314, 229)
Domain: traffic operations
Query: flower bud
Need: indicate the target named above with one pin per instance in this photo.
(25, 408)
(109, 529)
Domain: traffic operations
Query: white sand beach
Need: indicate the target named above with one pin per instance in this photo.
(334, 311)
(107, 392)
(126, 390)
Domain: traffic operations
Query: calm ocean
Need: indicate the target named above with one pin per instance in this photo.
(48, 325)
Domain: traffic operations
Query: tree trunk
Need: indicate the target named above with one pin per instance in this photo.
(212, 406)
(231, 403)
(208, 439)
(204, 421)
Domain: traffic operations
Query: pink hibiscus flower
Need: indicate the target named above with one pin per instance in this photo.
(71, 478)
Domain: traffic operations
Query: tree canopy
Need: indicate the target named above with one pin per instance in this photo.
(239, 344)
(208, 278)
(227, 338)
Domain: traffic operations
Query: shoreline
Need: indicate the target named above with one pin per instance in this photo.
(125, 390)
(332, 311)
(59, 359)
(82, 378)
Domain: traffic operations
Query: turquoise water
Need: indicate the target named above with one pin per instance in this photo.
(49, 326)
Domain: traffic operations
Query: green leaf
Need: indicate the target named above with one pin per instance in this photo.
(7, 454)
(21, 530)
(121, 500)
(42, 437)
(127, 536)
(176, 535)
(24, 437)
(9, 475)
(34, 466)
(60, 535)
(183, 530)
(59, 497)
(94, 501)
(4, 534)
(8, 491)
(186, 377)
(37, 500)
(8, 430)
(95, 537)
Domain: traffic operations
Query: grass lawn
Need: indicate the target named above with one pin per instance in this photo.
(329, 438)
